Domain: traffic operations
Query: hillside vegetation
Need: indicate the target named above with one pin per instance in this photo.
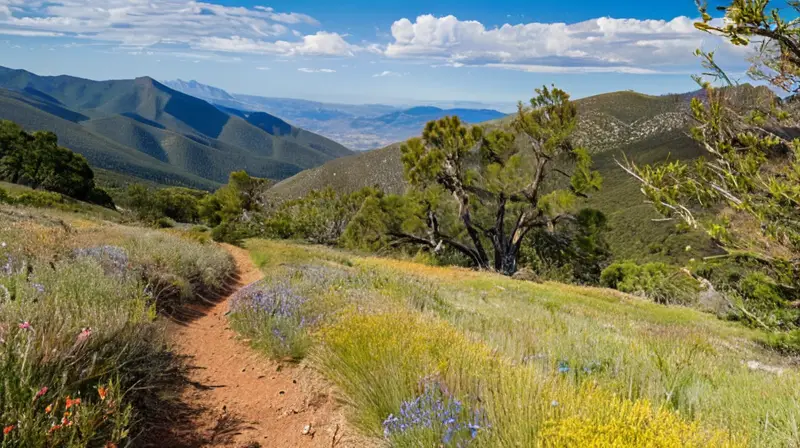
(145, 129)
(426, 356)
(612, 126)
(83, 354)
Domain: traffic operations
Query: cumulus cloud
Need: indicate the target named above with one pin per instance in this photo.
(198, 25)
(320, 44)
(597, 45)
(316, 70)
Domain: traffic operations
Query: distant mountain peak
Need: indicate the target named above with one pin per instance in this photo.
(199, 89)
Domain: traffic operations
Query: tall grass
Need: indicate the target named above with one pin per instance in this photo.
(543, 365)
(82, 350)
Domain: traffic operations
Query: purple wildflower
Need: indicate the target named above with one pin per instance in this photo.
(113, 259)
(436, 410)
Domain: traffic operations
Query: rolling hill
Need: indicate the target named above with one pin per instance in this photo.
(145, 129)
(645, 128)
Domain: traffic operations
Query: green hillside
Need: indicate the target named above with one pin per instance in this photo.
(644, 128)
(147, 130)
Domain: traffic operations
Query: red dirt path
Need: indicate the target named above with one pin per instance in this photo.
(241, 398)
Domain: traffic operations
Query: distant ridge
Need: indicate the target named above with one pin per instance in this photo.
(143, 128)
(360, 127)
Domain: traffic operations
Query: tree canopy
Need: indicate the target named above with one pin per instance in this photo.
(37, 161)
(749, 176)
(481, 192)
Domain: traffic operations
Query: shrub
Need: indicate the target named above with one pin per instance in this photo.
(787, 343)
(276, 317)
(659, 282)
(164, 223)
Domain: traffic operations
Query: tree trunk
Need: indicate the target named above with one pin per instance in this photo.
(508, 261)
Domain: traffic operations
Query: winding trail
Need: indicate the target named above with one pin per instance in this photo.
(238, 398)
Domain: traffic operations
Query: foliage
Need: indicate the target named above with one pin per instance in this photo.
(534, 358)
(83, 359)
(759, 295)
(320, 217)
(751, 170)
(276, 316)
(176, 203)
(578, 247)
(494, 181)
(37, 161)
(657, 281)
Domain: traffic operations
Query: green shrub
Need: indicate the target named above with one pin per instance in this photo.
(787, 343)
(39, 199)
(659, 282)
(164, 223)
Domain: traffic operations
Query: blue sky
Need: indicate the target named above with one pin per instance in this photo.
(360, 51)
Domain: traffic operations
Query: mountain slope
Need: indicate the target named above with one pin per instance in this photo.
(361, 127)
(644, 128)
(190, 136)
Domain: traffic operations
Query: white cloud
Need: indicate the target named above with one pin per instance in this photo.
(187, 23)
(320, 44)
(316, 70)
(387, 73)
(597, 45)
(263, 69)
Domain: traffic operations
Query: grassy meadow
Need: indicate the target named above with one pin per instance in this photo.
(431, 356)
(83, 357)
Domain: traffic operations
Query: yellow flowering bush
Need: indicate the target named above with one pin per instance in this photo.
(607, 421)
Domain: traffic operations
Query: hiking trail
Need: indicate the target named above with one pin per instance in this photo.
(236, 397)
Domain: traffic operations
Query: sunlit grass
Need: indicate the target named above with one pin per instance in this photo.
(547, 364)
(82, 350)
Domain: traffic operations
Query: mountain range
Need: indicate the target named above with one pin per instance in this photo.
(359, 127)
(142, 128)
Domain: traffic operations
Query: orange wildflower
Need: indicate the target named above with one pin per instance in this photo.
(8, 429)
(102, 391)
(71, 402)
(48, 409)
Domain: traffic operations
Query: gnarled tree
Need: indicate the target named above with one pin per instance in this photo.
(493, 183)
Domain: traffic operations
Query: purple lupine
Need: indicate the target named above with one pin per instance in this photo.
(436, 410)
(113, 259)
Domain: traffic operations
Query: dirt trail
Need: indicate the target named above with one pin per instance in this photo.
(240, 398)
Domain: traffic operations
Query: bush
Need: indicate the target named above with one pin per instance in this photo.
(757, 292)
(787, 343)
(164, 223)
(659, 282)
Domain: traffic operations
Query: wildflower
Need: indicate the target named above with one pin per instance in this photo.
(54, 428)
(48, 409)
(85, 333)
(554, 403)
(436, 409)
(102, 392)
(25, 326)
(71, 402)
(41, 393)
(38, 287)
(563, 367)
(8, 429)
(3, 244)
(111, 445)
